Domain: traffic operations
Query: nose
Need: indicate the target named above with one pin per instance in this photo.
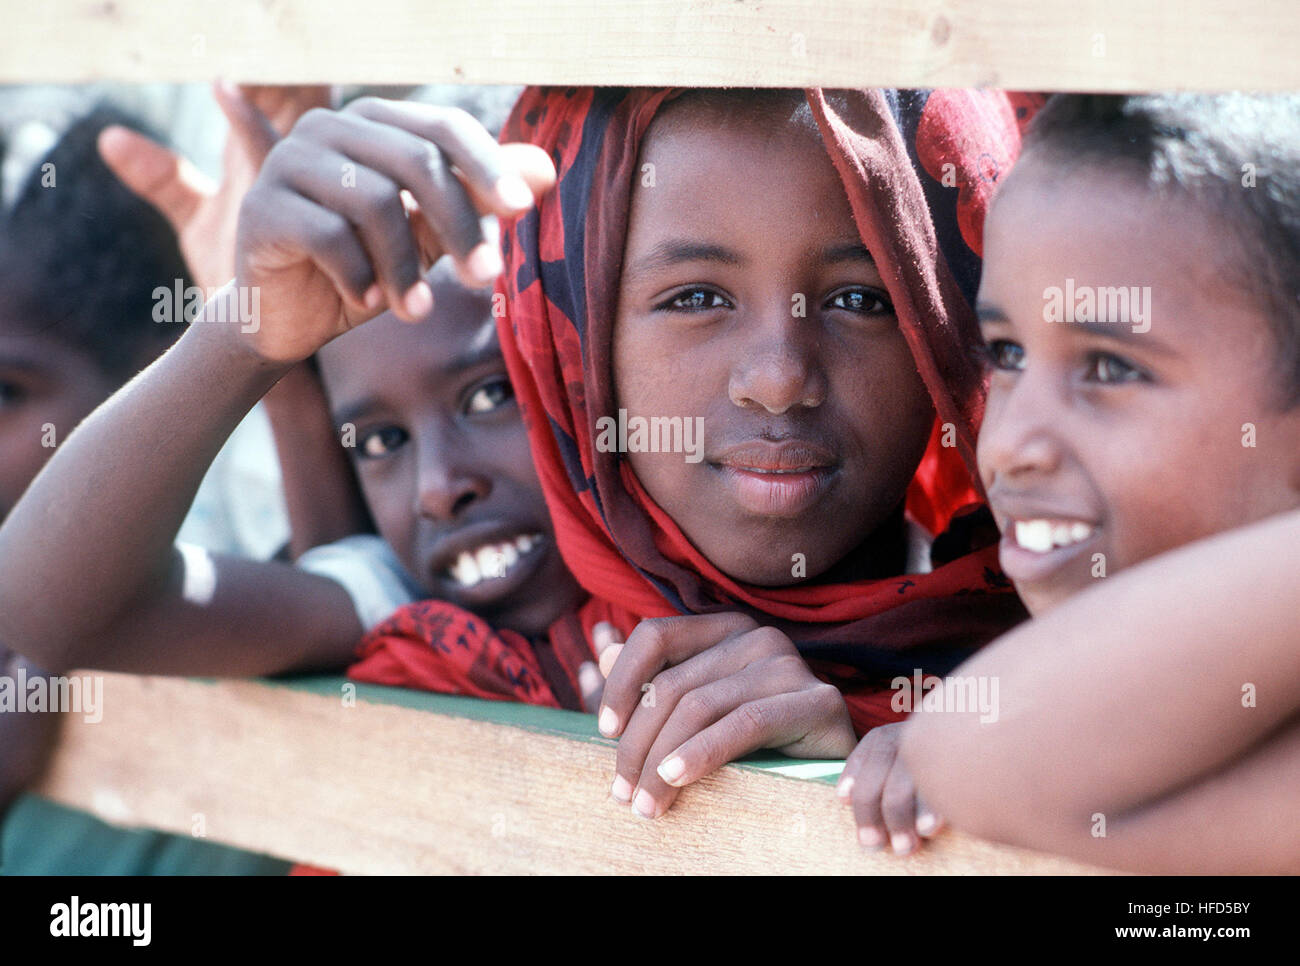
(1021, 431)
(780, 365)
(446, 487)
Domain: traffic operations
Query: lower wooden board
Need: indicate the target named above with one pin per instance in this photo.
(366, 779)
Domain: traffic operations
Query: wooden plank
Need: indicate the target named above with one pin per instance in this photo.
(1018, 44)
(405, 782)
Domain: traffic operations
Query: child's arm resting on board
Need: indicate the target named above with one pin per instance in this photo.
(1151, 722)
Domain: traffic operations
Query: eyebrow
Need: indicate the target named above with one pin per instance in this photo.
(483, 349)
(669, 253)
(846, 252)
(989, 314)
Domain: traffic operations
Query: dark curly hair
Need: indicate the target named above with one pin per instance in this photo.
(81, 257)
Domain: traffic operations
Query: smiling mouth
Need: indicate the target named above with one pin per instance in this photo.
(1043, 534)
(492, 561)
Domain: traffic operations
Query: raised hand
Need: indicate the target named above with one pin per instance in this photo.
(353, 206)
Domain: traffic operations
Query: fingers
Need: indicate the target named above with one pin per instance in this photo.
(157, 175)
(372, 204)
(898, 807)
(249, 127)
(929, 823)
(415, 182)
(283, 104)
(652, 646)
(692, 694)
(720, 722)
(886, 807)
(494, 175)
(592, 684)
(306, 231)
(591, 677)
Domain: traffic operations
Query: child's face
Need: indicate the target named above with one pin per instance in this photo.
(747, 299)
(46, 388)
(1103, 446)
(443, 460)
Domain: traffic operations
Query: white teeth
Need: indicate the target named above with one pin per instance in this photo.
(1035, 535)
(491, 560)
(466, 570)
(1040, 536)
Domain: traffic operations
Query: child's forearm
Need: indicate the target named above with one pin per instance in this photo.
(1125, 696)
(320, 491)
(88, 572)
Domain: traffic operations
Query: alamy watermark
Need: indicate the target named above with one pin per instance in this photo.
(1107, 305)
(653, 434)
(954, 694)
(191, 303)
(80, 694)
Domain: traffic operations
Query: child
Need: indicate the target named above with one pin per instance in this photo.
(712, 269)
(66, 294)
(79, 257)
(1149, 712)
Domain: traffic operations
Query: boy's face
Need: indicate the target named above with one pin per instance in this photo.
(1101, 445)
(442, 457)
(46, 388)
(747, 299)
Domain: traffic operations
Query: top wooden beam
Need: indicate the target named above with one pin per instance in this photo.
(1103, 45)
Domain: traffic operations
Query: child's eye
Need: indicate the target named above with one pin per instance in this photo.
(381, 442)
(864, 301)
(1106, 368)
(490, 396)
(1004, 354)
(695, 300)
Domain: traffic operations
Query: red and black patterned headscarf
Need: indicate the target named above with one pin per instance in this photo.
(918, 169)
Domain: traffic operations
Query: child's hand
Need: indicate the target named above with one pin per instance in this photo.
(686, 695)
(205, 215)
(886, 806)
(352, 206)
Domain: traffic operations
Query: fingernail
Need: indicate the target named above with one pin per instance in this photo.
(513, 190)
(901, 843)
(608, 723)
(671, 769)
(418, 301)
(602, 635)
(374, 297)
(844, 787)
(589, 676)
(484, 263)
(609, 657)
(644, 805)
(926, 823)
(621, 790)
(869, 837)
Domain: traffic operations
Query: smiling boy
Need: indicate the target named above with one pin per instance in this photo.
(1151, 710)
